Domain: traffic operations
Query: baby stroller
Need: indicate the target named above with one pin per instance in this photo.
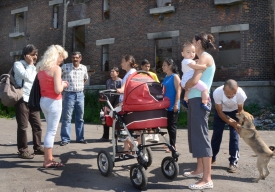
(144, 108)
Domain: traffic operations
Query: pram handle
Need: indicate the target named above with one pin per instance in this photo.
(108, 91)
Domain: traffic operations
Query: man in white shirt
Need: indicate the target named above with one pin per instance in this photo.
(229, 100)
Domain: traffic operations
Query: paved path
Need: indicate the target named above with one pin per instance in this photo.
(81, 172)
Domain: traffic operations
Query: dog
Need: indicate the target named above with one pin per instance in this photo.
(250, 135)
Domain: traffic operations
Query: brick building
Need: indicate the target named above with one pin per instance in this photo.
(104, 30)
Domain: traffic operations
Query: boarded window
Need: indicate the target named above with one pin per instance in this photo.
(19, 22)
(79, 38)
(229, 49)
(163, 50)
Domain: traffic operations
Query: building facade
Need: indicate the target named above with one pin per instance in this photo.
(104, 30)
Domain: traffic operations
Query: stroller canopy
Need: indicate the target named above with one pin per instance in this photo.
(143, 93)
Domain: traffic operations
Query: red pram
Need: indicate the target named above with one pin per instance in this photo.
(143, 108)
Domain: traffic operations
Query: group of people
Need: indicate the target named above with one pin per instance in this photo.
(61, 91)
(70, 79)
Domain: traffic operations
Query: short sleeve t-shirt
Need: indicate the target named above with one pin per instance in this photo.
(124, 81)
(229, 104)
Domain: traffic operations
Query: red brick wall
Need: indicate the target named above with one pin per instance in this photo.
(129, 24)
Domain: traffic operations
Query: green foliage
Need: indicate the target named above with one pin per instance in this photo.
(252, 108)
(6, 112)
(92, 108)
(182, 121)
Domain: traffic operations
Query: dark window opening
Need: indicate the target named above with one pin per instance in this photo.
(105, 58)
(163, 50)
(19, 22)
(55, 16)
(79, 38)
(229, 49)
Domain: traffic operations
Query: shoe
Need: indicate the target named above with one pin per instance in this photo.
(232, 168)
(39, 151)
(25, 155)
(82, 141)
(190, 175)
(208, 185)
(156, 138)
(184, 103)
(149, 137)
(213, 161)
(102, 140)
(205, 107)
(53, 165)
(63, 143)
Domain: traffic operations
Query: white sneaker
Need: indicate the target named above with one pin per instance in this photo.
(156, 138)
(149, 137)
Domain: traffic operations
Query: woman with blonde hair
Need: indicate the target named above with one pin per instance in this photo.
(51, 86)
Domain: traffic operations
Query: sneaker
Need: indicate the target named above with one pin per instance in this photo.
(149, 137)
(232, 168)
(205, 107)
(39, 151)
(156, 138)
(184, 103)
(25, 155)
(63, 143)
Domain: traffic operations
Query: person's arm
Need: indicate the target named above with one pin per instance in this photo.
(121, 90)
(197, 66)
(198, 73)
(59, 85)
(240, 107)
(224, 117)
(25, 74)
(85, 74)
(178, 91)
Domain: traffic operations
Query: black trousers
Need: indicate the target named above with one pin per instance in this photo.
(106, 132)
(172, 120)
(23, 116)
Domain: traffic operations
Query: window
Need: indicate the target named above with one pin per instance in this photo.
(105, 58)
(55, 16)
(79, 1)
(79, 38)
(163, 3)
(163, 50)
(229, 49)
(19, 22)
(16, 58)
(106, 11)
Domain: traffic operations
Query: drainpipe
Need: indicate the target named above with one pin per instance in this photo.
(66, 3)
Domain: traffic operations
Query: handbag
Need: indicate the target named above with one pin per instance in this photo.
(35, 95)
(10, 92)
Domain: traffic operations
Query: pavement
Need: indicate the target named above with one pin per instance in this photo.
(81, 172)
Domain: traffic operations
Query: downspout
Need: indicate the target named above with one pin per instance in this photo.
(64, 21)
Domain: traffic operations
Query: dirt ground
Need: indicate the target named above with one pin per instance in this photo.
(81, 172)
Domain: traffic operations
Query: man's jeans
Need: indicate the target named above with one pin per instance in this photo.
(72, 101)
(218, 127)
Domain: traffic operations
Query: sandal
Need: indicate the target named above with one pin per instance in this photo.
(53, 164)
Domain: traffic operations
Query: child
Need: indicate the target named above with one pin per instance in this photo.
(188, 67)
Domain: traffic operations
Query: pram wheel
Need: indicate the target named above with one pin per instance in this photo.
(138, 176)
(169, 168)
(148, 156)
(105, 163)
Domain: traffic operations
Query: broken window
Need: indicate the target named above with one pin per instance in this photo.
(19, 22)
(163, 50)
(105, 58)
(79, 38)
(229, 49)
(106, 11)
(55, 16)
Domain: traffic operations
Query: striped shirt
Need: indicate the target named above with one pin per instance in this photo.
(74, 76)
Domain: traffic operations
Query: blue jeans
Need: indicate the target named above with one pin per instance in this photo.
(218, 127)
(72, 101)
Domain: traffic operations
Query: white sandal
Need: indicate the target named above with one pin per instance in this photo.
(189, 174)
(208, 185)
